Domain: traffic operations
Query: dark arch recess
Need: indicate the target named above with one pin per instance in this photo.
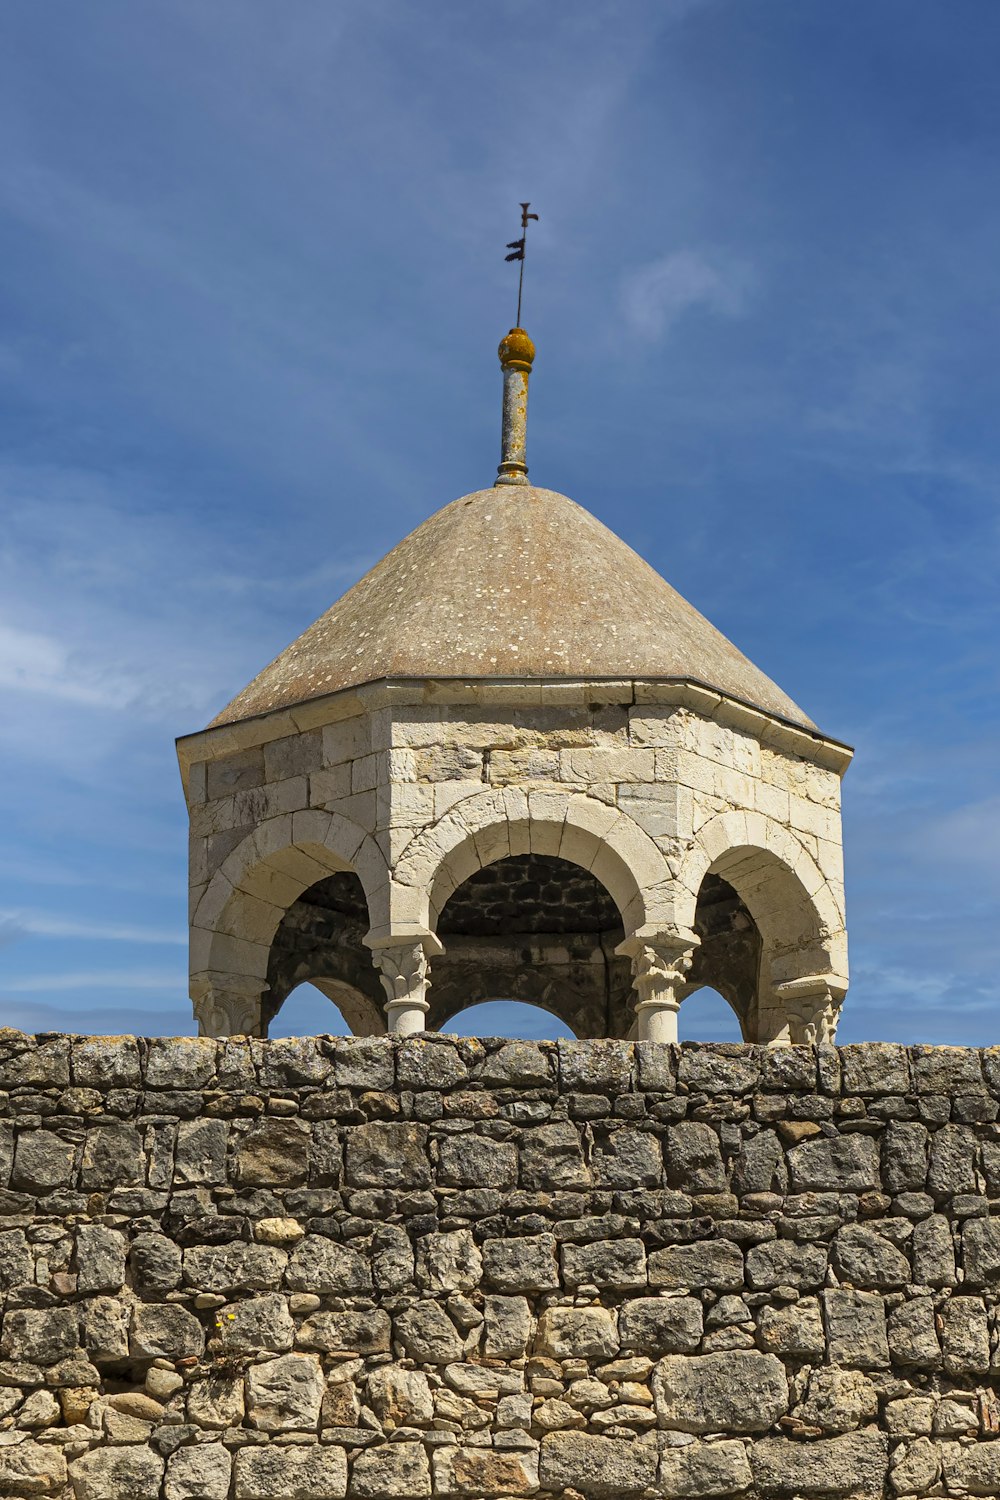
(728, 959)
(538, 929)
(319, 940)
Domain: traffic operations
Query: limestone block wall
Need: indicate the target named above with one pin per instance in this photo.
(387, 1268)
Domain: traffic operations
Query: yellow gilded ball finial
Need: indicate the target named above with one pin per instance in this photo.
(516, 350)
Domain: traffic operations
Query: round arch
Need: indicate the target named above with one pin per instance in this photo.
(495, 823)
(238, 915)
(799, 918)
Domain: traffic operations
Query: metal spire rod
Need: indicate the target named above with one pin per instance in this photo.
(517, 246)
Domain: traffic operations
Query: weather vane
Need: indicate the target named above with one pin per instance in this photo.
(516, 247)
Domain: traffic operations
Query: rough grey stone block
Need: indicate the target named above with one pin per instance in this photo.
(738, 1391)
(596, 1465)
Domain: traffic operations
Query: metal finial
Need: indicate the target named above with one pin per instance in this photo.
(517, 247)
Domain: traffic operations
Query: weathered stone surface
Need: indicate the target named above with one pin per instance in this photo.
(165, 1332)
(760, 1166)
(628, 1159)
(291, 1472)
(43, 1160)
(857, 1462)
(485, 1473)
(865, 1258)
(285, 1394)
(508, 1327)
(934, 1253)
(234, 1267)
(392, 1471)
(705, 1469)
(399, 1397)
(981, 1252)
(693, 1159)
(473, 1161)
(321, 1265)
(200, 1153)
(904, 1157)
(552, 1158)
(522, 1265)
(367, 1332)
(855, 1329)
(275, 1152)
(30, 1468)
(972, 1470)
(42, 1336)
(216, 1401)
(156, 1263)
(838, 1400)
(596, 1465)
(577, 1333)
(728, 1392)
(786, 1263)
(710, 1263)
(129, 1473)
(449, 1262)
(387, 1154)
(965, 1338)
(661, 1325)
(794, 1330)
(843, 1163)
(605, 1263)
(257, 1323)
(112, 1157)
(428, 1334)
(16, 1261)
(200, 1473)
(916, 1467)
(912, 1335)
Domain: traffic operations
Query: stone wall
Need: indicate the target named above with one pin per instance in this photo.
(380, 1268)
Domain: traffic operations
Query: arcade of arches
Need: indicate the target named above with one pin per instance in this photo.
(532, 928)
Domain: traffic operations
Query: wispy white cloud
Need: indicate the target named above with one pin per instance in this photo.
(43, 924)
(89, 979)
(656, 295)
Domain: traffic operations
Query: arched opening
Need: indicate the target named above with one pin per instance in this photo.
(509, 1018)
(538, 929)
(306, 1011)
(706, 1016)
(727, 962)
(319, 942)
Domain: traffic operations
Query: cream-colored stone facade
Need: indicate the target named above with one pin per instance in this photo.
(415, 786)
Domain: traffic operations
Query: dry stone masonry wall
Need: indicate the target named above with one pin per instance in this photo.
(386, 1268)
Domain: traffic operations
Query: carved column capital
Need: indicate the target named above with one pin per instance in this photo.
(403, 962)
(810, 1009)
(223, 1006)
(661, 960)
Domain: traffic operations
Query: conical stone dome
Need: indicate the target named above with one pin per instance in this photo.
(509, 582)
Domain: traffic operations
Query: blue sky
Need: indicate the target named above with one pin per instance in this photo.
(252, 287)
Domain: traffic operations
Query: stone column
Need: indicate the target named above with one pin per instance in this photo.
(403, 963)
(803, 1011)
(661, 960)
(228, 1006)
(516, 355)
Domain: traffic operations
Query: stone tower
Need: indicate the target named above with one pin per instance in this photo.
(513, 761)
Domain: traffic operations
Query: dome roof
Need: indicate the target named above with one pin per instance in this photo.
(511, 582)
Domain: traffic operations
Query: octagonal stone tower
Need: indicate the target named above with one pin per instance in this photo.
(512, 759)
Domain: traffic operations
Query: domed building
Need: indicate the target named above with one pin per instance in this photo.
(513, 763)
